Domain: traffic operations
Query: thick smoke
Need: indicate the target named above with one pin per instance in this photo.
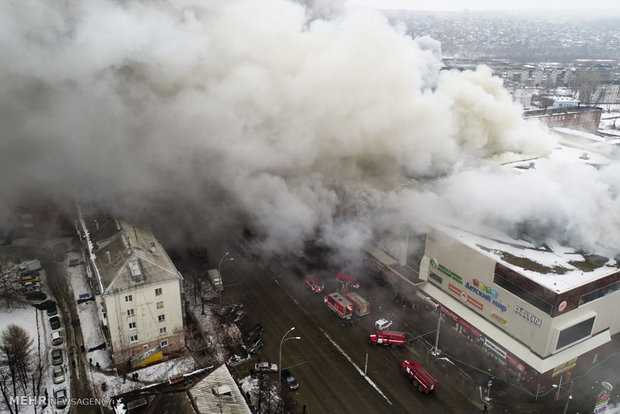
(262, 111)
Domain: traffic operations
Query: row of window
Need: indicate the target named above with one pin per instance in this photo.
(533, 300)
(131, 312)
(129, 298)
(134, 338)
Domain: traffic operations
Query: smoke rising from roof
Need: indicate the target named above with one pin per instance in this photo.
(259, 109)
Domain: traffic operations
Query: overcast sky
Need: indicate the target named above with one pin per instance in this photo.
(494, 5)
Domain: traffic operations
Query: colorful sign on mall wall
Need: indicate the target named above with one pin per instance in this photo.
(486, 293)
(436, 265)
(528, 316)
(465, 297)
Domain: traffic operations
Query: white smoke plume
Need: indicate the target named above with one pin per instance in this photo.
(302, 120)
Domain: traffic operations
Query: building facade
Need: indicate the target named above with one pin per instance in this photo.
(539, 313)
(582, 118)
(138, 292)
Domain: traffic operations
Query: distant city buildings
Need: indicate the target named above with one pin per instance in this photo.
(138, 291)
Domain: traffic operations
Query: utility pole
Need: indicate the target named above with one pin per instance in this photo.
(437, 336)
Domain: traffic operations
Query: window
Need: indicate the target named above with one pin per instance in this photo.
(128, 298)
(160, 305)
(130, 312)
(435, 278)
(161, 318)
(132, 325)
(133, 338)
(164, 343)
(599, 293)
(523, 294)
(162, 330)
(575, 333)
(157, 291)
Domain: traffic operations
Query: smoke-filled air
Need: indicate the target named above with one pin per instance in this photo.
(304, 121)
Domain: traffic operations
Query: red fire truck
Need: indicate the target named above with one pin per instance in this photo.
(393, 338)
(347, 279)
(339, 304)
(314, 284)
(421, 378)
(360, 305)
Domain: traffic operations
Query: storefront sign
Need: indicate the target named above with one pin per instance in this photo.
(562, 306)
(481, 291)
(528, 316)
(498, 319)
(497, 350)
(520, 366)
(465, 297)
(564, 367)
(436, 265)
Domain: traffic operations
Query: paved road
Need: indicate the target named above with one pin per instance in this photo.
(329, 381)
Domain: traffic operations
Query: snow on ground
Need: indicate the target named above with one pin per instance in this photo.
(25, 316)
(151, 375)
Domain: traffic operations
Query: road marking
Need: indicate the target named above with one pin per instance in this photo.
(356, 367)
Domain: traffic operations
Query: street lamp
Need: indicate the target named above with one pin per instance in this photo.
(280, 356)
(219, 266)
(570, 397)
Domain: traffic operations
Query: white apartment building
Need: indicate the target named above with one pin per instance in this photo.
(138, 292)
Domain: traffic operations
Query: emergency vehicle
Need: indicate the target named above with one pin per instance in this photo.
(347, 279)
(314, 284)
(360, 305)
(421, 378)
(339, 304)
(393, 338)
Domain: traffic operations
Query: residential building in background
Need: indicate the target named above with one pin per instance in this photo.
(582, 118)
(138, 291)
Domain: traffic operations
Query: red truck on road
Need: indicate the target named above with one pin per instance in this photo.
(347, 279)
(421, 378)
(314, 284)
(338, 303)
(360, 305)
(393, 338)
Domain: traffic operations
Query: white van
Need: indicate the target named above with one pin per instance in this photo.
(56, 338)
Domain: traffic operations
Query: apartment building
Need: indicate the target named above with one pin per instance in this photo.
(138, 291)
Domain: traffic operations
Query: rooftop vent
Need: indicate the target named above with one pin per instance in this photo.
(136, 272)
(221, 390)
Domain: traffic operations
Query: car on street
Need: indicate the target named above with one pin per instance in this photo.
(253, 333)
(51, 309)
(265, 366)
(74, 262)
(56, 356)
(58, 375)
(36, 296)
(382, 324)
(289, 379)
(55, 322)
(254, 346)
(60, 398)
(56, 338)
(314, 284)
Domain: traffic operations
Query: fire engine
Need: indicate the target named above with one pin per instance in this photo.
(360, 305)
(339, 304)
(421, 378)
(314, 284)
(393, 338)
(347, 279)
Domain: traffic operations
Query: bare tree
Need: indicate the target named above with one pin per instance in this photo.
(39, 366)
(15, 361)
(9, 281)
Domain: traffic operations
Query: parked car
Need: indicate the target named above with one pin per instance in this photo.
(289, 379)
(58, 374)
(36, 296)
(56, 338)
(266, 367)
(251, 335)
(31, 287)
(254, 346)
(51, 309)
(382, 324)
(60, 397)
(74, 262)
(56, 356)
(238, 315)
(238, 358)
(30, 278)
(55, 322)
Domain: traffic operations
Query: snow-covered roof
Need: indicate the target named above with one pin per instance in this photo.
(551, 265)
(127, 255)
(208, 402)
